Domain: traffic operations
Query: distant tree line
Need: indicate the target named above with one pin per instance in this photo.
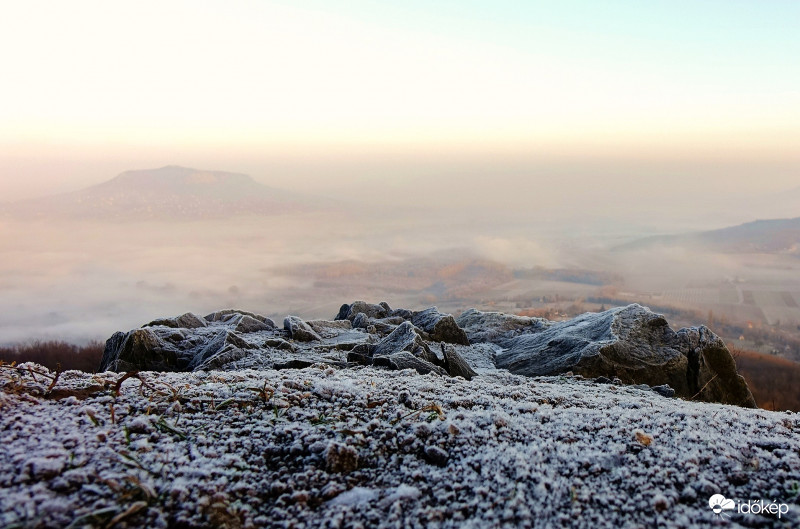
(52, 353)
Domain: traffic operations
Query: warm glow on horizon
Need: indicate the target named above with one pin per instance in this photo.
(100, 73)
(93, 84)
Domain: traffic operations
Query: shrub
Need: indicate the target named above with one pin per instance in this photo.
(51, 353)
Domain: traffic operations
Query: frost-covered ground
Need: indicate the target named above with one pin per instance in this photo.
(321, 447)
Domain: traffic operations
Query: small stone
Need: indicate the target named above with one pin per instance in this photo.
(688, 495)
(738, 478)
(331, 490)
(361, 321)
(660, 503)
(341, 458)
(356, 358)
(317, 447)
(294, 364)
(664, 390)
(422, 430)
(279, 343)
(300, 496)
(436, 455)
(406, 360)
(45, 468)
(277, 488)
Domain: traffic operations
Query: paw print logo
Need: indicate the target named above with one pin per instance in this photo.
(719, 504)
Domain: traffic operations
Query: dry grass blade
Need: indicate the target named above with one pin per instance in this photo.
(704, 387)
(130, 511)
(55, 379)
(94, 516)
(434, 409)
(123, 378)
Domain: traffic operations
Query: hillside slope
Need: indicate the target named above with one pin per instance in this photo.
(760, 236)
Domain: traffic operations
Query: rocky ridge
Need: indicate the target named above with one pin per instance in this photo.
(626, 345)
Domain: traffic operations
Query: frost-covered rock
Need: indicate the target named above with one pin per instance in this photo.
(406, 360)
(141, 349)
(635, 345)
(186, 321)
(367, 447)
(629, 344)
(370, 310)
(223, 341)
(495, 327)
(299, 330)
(439, 326)
(455, 365)
(250, 324)
(234, 315)
(406, 338)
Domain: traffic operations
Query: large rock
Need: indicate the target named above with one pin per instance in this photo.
(405, 338)
(406, 360)
(226, 356)
(248, 324)
(224, 340)
(235, 315)
(455, 365)
(348, 312)
(635, 345)
(711, 371)
(497, 327)
(140, 349)
(186, 321)
(299, 330)
(164, 348)
(439, 326)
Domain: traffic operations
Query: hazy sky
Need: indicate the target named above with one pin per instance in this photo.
(91, 88)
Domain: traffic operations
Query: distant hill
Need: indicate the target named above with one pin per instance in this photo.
(167, 193)
(760, 236)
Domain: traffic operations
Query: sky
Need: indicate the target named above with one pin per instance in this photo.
(93, 88)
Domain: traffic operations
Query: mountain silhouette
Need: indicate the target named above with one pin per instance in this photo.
(167, 193)
(760, 236)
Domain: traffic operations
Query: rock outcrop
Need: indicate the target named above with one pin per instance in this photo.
(635, 345)
(628, 345)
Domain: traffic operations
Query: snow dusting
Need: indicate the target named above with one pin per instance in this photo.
(366, 447)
